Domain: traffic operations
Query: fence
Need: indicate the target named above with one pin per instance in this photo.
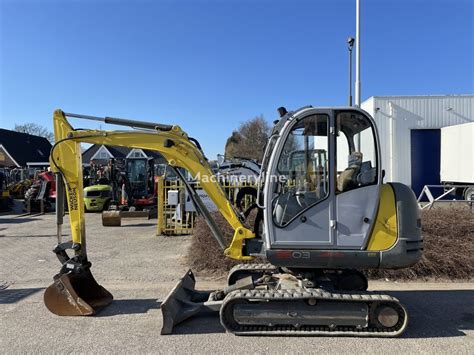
(177, 213)
(447, 190)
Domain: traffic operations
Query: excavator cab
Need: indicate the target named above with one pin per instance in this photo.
(326, 214)
(140, 176)
(322, 192)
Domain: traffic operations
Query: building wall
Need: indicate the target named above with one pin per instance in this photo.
(396, 116)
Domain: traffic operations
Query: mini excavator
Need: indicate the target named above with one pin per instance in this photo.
(325, 215)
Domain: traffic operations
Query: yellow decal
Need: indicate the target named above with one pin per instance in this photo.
(385, 233)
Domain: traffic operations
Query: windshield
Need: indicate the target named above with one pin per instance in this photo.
(302, 168)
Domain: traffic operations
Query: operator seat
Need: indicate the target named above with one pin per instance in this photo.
(367, 174)
(347, 180)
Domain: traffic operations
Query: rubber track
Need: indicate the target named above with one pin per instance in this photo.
(306, 330)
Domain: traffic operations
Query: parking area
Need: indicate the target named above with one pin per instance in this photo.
(139, 269)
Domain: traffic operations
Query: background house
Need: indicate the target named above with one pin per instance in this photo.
(21, 150)
(101, 154)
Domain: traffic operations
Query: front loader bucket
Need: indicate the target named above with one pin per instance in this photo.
(76, 295)
(182, 302)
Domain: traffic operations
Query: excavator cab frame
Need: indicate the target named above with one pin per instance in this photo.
(140, 175)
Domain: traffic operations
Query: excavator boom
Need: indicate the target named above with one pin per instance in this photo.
(170, 141)
(75, 291)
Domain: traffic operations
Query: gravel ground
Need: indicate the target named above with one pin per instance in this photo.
(140, 268)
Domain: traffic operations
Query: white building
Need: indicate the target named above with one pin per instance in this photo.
(409, 129)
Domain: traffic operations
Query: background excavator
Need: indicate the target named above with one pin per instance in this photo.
(134, 189)
(131, 183)
(326, 214)
(123, 188)
(41, 195)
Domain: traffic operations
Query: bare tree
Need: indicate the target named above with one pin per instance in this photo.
(232, 145)
(249, 140)
(36, 130)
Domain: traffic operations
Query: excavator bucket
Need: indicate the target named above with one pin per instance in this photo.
(76, 294)
(111, 218)
(182, 302)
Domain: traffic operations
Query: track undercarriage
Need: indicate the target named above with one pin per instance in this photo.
(262, 299)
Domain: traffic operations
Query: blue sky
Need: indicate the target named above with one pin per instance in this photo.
(208, 65)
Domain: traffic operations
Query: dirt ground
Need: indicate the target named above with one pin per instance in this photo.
(448, 238)
(140, 268)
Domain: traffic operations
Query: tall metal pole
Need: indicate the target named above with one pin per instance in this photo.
(357, 80)
(357, 43)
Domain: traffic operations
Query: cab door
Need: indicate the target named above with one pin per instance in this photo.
(358, 178)
(299, 198)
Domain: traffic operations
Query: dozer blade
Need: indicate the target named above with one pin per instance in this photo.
(182, 302)
(76, 295)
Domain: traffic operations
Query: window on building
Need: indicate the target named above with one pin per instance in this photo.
(137, 153)
(103, 155)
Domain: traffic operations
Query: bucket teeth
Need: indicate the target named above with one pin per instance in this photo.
(76, 295)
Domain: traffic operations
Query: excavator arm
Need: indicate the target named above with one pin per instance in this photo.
(170, 141)
(74, 291)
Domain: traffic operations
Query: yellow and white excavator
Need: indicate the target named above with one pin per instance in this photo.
(324, 213)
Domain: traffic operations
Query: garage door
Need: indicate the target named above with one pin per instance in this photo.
(425, 158)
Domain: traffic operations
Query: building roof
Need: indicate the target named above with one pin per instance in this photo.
(24, 148)
(434, 96)
(117, 152)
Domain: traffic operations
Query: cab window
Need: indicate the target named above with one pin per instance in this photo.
(302, 171)
(355, 152)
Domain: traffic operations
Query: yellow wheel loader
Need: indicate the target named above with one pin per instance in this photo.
(325, 214)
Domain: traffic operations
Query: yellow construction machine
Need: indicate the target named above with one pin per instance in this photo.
(324, 214)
